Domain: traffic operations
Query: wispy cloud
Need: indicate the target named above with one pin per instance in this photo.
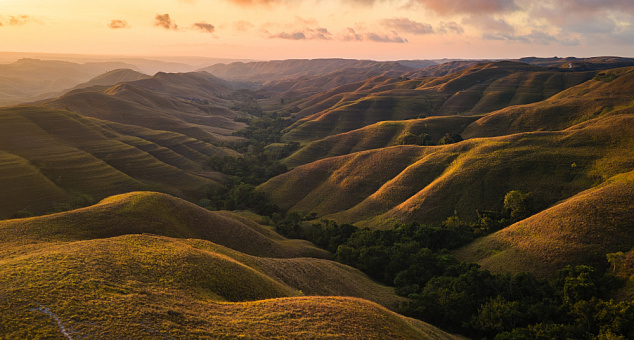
(164, 21)
(452, 26)
(407, 25)
(487, 23)
(535, 37)
(305, 34)
(349, 34)
(204, 27)
(15, 20)
(242, 26)
(452, 7)
(117, 24)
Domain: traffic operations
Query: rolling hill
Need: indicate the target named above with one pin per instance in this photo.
(52, 158)
(378, 135)
(480, 89)
(192, 104)
(429, 184)
(146, 286)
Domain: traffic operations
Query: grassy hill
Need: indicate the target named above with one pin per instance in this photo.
(480, 89)
(609, 92)
(96, 272)
(188, 103)
(155, 213)
(379, 135)
(579, 230)
(429, 184)
(54, 157)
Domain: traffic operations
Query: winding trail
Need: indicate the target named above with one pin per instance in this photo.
(49, 312)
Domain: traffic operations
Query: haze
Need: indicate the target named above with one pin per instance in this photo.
(282, 29)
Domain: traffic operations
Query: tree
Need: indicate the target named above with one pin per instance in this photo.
(450, 138)
(518, 204)
(615, 259)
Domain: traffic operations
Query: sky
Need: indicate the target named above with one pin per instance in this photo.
(283, 29)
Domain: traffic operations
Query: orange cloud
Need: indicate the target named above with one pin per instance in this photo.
(117, 24)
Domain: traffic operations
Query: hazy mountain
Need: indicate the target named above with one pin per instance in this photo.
(30, 79)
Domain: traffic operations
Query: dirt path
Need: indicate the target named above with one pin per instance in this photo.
(49, 312)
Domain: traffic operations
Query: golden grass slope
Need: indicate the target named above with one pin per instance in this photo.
(155, 213)
(59, 276)
(579, 230)
(431, 183)
(50, 156)
(378, 135)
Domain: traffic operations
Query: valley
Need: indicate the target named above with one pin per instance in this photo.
(319, 198)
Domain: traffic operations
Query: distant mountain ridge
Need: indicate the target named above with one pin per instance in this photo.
(264, 71)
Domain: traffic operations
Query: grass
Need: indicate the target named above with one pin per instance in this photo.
(71, 270)
(480, 89)
(375, 136)
(579, 230)
(375, 187)
(155, 213)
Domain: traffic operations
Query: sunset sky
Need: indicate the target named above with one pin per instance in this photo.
(281, 29)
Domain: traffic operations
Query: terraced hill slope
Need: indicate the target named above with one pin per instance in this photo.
(54, 157)
(480, 89)
(189, 103)
(148, 286)
(429, 184)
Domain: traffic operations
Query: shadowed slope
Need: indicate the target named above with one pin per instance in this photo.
(580, 230)
(186, 103)
(62, 155)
